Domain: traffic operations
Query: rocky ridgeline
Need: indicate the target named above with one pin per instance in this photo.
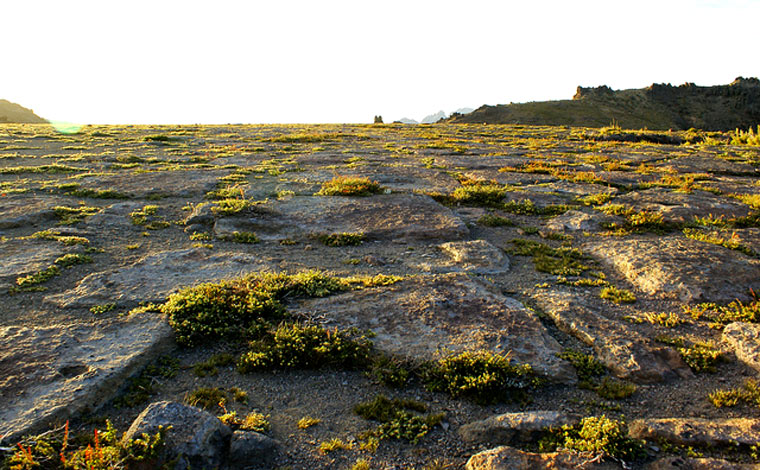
(619, 272)
(659, 106)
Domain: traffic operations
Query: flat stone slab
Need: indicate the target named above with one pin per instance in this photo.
(574, 221)
(744, 339)
(682, 207)
(24, 211)
(476, 256)
(156, 276)
(51, 373)
(515, 427)
(383, 217)
(509, 458)
(682, 463)
(182, 183)
(419, 316)
(676, 267)
(697, 431)
(22, 257)
(627, 354)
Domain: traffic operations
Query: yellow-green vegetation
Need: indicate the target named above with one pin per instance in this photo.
(636, 221)
(341, 239)
(96, 193)
(748, 137)
(482, 376)
(232, 206)
(231, 307)
(724, 314)
(390, 371)
(595, 434)
(209, 367)
(242, 237)
(350, 186)
(201, 236)
(732, 243)
(748, 394)
(307, 421)
(619, 296)
(371, 281)
(65, 261)
(334, 444)
(398, 418)
(668, 320)
(699, 356)
(586, 366)
(595, 199)
(492, 220)
(71, 215)
(54, 235)
(101, 309)
(614, 389)
(208, 398)
(102, 450)
(54, 169)
(361, 464)
(255, 421)
(563, 261)
(296, 346)
(146, 217)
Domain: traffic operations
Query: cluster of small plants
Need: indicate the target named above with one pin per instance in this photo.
(341, 239)
(350, 186)
(242, 237)
(140, 388)
(493, 220)
(214, 398)
(597, 435)
(636, 221)
(748, 394)
(482, 376)
(54, 235)
(209, 367)
(590, 370)
(146, 217)
(698, 355)
(563, 261)
(103, 450)
(616, 295)
(71, 215)
(32, 281)
(731, 243)
(398, 418)
(723, 314)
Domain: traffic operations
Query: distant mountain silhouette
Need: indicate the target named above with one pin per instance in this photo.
(12, 112)
(659, 106)
(429, 119)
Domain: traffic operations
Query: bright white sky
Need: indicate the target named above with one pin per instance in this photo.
(261, 61)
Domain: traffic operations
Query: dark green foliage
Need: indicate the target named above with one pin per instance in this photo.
(595, 435)
(586, 366)
(142, 387)
(228, 308)
(613, 389)
(349, 186)
(295, 346)
(209, 367)
(563, 261)
(208, 398)
(161, 138)
(482, 376)
(341, 239)
(492, 220)
(749, 394)
(484, 195)
(389, 371)
(699, 356)
(399, 418)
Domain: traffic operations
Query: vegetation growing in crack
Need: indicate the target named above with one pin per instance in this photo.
(399, 418)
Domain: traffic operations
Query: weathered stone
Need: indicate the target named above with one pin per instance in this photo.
(574, 221)
(419, 316)
(52, 373)
(626, 353)
(514, 427)
(156, 276)
(197, 439)
(26, 211)
(508, 458)
(682, 207)
(744, 339)
(21, 257)
(685, 463)
(477, 256)
(384, 217)
(680, 268)
(697, 431)
(115, 215)
(201, 215)
(177, 182)
(251, 449)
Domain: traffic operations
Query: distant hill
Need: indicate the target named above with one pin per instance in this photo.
(12, 112)
(659, 106)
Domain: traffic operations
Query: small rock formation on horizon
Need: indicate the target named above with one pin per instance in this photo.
(14, 113)
(659, 106)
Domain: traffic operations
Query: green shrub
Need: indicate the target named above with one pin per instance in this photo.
(209, 367)
(586, 366)
(208, 398)
(563, 261)
(699, 356)
(341, 239)
(613, 389)
(295, 346)
(349, 186)
(487, 195)
(389, 371)
(595, 435)
(749, 393)
(619, 296)
(399, 419)
(242, 237)
(492, 220)
(483, 376)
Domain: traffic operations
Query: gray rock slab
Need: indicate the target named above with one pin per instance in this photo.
(196, 440)
(52, 373)
(698, 431)
(115, 216)
(476, 256)
(180, 183)
(676, 267)
(574, 221)
(744, 339)
(514, 427)
(21, 257)
(626, 353)
(384, 217)
(419, 316)
(682, 207)
(156, 276)
(25, 211)
(509, 458)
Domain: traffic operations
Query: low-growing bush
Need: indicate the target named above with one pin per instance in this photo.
(563, 261)
(598, 435)
(341, 239)
(619, 296)
(349, 186)
(399, 419)
(483, 376)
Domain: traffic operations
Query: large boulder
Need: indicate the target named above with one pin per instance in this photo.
(698, 431)
(744, 339)
(52, 373)
(515, 427)
(508, 458)
(675, 206)
(196, 438)
(476, 256)
(251, 449)
(420, 316)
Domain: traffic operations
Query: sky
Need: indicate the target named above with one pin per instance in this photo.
(292, 61)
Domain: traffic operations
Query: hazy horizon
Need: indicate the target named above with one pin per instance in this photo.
(341, 62)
